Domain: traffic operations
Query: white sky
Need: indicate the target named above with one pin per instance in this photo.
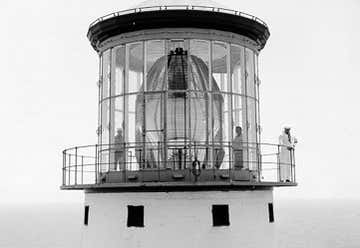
(310, 81)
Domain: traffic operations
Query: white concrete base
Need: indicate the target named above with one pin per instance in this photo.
(179, 220)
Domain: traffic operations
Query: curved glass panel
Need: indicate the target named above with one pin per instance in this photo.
(136, 66)
(118, 70)
(250, 73)
(237, 69)
(106, 74)
(219, 65)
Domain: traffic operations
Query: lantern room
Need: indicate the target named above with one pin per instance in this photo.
(178, 101)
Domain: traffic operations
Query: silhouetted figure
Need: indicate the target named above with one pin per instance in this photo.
(237, 145)
(119, 150)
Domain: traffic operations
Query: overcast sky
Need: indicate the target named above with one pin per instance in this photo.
(310, 81)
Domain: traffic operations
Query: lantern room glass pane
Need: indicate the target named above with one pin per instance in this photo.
(118, 70)
(154, 51)
(98, 130)
(131, 127)
(237, 70)
(239, 132)
(118, 116)
(104, 148)
(117, 152)
(153, 130)
(132, 130)
(106, 74)
(105, 121)
(239, 114)
(257, 83)
(136, 67)
(219, 65)
(201, 49)
(251, 107)
(250, 72)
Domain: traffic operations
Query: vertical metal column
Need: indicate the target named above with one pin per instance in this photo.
(76, 165)
(229, 95)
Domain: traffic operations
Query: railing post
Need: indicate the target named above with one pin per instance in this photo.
(230, 160)
(64, 169)
(159, 163)
(258, 161)
(125, 159)
(278, 164)
(293, 164)
(76, 165)
(96, 163)
(69, 168)
(82, 169)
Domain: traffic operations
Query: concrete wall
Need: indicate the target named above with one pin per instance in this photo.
(179, 219)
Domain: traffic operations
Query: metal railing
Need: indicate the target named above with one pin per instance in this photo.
(159, 162)
(178, 7)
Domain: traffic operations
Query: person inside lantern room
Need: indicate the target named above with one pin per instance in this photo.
(119, 152)
(237, 145)
(287, 144)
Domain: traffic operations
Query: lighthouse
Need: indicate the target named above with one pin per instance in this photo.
(179, 160)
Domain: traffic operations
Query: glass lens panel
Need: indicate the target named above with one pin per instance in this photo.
(105, 122)
(239, 138)
(252, 134)
(117, 152)
(154, 51)
(200, 49)
(133, 129)
(106, 74)
(155, 66)
(154, 114)
(237, 77)
(219, 66)
(104, 148)
(136, 66)
(219, 132)
(118, 70)
(250, 72)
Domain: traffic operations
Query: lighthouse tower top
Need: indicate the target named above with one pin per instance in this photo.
(179, 103)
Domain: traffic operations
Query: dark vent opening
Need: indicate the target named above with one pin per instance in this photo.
(86, 215)
(271, 212)
(220, 215)
(135, 216)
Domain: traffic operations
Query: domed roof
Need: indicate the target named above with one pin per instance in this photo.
(205, 3)
(155, 14)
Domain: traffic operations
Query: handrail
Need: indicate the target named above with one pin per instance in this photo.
(177, 7)
(253, 162)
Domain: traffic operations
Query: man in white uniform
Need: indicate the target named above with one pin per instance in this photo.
(287, 144)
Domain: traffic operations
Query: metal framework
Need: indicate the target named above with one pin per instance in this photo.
(83, 168)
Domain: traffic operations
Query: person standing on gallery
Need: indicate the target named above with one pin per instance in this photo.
(287, 145)
(237, 145)
(119, 150)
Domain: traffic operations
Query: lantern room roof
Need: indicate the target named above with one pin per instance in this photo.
(154, 14)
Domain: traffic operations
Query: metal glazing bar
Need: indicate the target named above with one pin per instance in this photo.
(69, 169)
(82, 169)
(76, 165)
(96, 164)
(64, 169)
